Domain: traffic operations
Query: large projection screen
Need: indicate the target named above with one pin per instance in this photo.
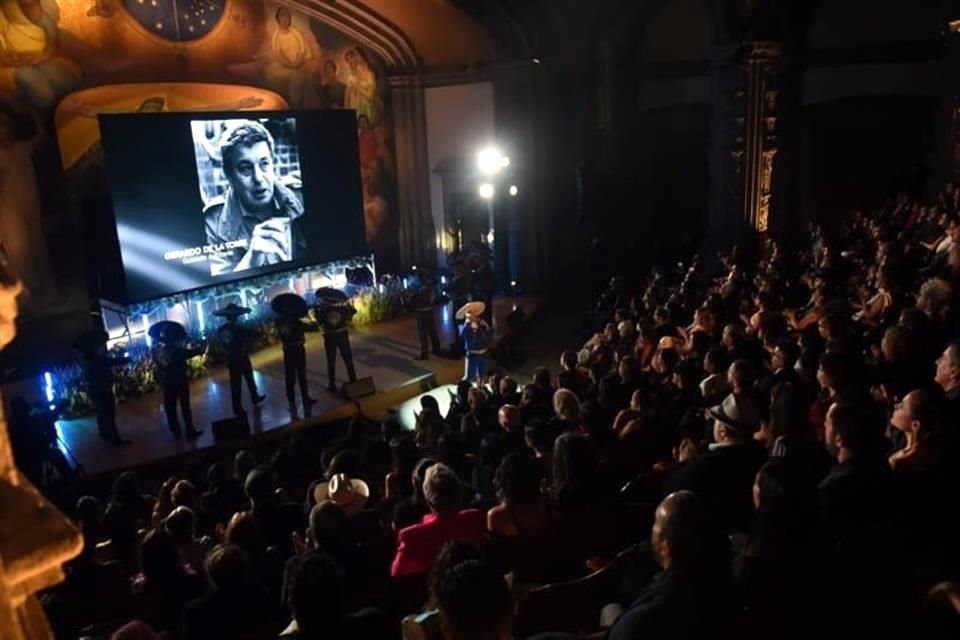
(202, 199)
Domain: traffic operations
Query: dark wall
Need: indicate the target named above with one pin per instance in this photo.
(857, 150)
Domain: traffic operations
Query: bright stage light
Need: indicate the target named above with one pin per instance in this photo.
(490, 160)
(486, 191)
(48, 388)
(513, 189)
(145, 319)
(505, 161)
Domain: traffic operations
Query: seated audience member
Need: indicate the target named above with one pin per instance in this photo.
(535, 404)
(947, 378)
(539, 438)
(509, 437)
(916, 417)
(541, 378)
(856, 495)
(224, 496)
(523, 510)
(411, 509)
(477, 421)
(723, 476)
(691, 597)
(243, 463)
(276, 518)
(165, 586)
(566, 411)
(783, 359)
(418, 545)
(715, 387)
(509, 392)
(315, 598)
(780, 566)
(633, 412)
(266, 563)
(181, 523)
(474, 602)
(135, 630)
(233, 606)
(404, 456)
(570, 377)
(787, 432)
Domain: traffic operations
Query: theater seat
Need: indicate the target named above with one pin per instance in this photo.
(572, 606)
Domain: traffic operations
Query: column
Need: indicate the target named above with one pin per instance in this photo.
(417, 236)
(950, 100)
(744, 144)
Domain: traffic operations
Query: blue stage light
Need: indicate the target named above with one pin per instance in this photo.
(48, 388)
(200, 320)
(146, 329)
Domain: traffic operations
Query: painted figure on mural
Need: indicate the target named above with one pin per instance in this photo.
(101, 9)
(22, 240)
(332, 91)
(32, 65)
(362, 95)
(375, 210)
(290, 53)
(367, 141)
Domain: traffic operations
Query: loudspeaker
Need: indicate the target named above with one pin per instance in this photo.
(359, 388)
(229, 429)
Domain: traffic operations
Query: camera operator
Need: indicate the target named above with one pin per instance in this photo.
(33, 436)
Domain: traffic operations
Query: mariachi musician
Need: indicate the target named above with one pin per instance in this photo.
(98, 366)
(236, 340)
(291, 309)
(422, 300)
(171, 351)
(334, 311)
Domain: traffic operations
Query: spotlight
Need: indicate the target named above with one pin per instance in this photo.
(513, 284)
(505, 161)
(414, 267)
(486, 190)
(535, 60)
(513, 189)
(489, 160)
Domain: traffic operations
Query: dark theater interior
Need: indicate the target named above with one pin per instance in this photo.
(479, 319)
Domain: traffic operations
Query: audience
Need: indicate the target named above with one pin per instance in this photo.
(790, 411)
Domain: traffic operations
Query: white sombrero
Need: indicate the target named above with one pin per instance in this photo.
(475, 308)
(350, 494)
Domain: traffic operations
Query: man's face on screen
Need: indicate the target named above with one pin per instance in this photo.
(252, 176)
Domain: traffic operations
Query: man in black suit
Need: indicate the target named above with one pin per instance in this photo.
(690, 598)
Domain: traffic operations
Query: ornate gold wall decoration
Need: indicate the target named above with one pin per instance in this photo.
(35, 539)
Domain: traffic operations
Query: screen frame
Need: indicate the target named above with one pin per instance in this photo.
(292, 266)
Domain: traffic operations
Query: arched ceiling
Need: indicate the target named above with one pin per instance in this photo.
(441, 34)
(407, 34)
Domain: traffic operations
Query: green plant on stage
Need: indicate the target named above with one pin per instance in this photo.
(197, 367)
(70, 390)
(373, 306)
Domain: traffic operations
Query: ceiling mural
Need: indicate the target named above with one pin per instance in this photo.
(67, 61)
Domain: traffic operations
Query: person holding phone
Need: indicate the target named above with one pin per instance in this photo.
(258, 212)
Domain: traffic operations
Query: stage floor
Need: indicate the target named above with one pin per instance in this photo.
(384, 351)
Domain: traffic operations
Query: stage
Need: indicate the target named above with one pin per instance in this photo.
(384, 351)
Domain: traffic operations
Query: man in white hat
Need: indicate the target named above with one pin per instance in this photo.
(723, 475)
